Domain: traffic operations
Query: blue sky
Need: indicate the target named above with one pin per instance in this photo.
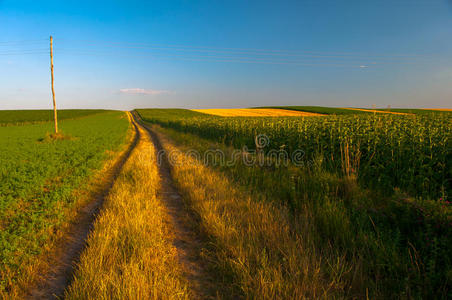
(200, 54)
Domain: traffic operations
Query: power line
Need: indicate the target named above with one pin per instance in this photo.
(239, 50)
(23, 53)
(252, 53)
(225, 50)
(217, 54)
(23, 50)
(23, 42)
(197, 56)
(219, 59)
(235, 58)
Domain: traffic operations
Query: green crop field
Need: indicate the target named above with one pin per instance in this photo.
(17, 117)
(377, 187)
(38, 176)
(320, 110)
(394, 151)
(416, 111)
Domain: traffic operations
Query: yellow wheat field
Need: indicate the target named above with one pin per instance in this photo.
(258, 112)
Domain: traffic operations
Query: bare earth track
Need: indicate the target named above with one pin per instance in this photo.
(55, 282)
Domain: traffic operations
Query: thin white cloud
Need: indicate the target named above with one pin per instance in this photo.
(137, 91)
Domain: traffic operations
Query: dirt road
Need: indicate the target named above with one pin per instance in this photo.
(187, 241)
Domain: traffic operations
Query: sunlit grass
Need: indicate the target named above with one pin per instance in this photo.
(254, 240)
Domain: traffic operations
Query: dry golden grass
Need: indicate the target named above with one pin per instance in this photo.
(269, 257)
(377, 111)
(130, 253)
(255, 112)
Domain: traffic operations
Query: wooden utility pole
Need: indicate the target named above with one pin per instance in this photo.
(53, 89)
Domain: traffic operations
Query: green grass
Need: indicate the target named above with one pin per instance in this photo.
(38, 176)
(319, 110)
(370, 242)
(16, 117)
